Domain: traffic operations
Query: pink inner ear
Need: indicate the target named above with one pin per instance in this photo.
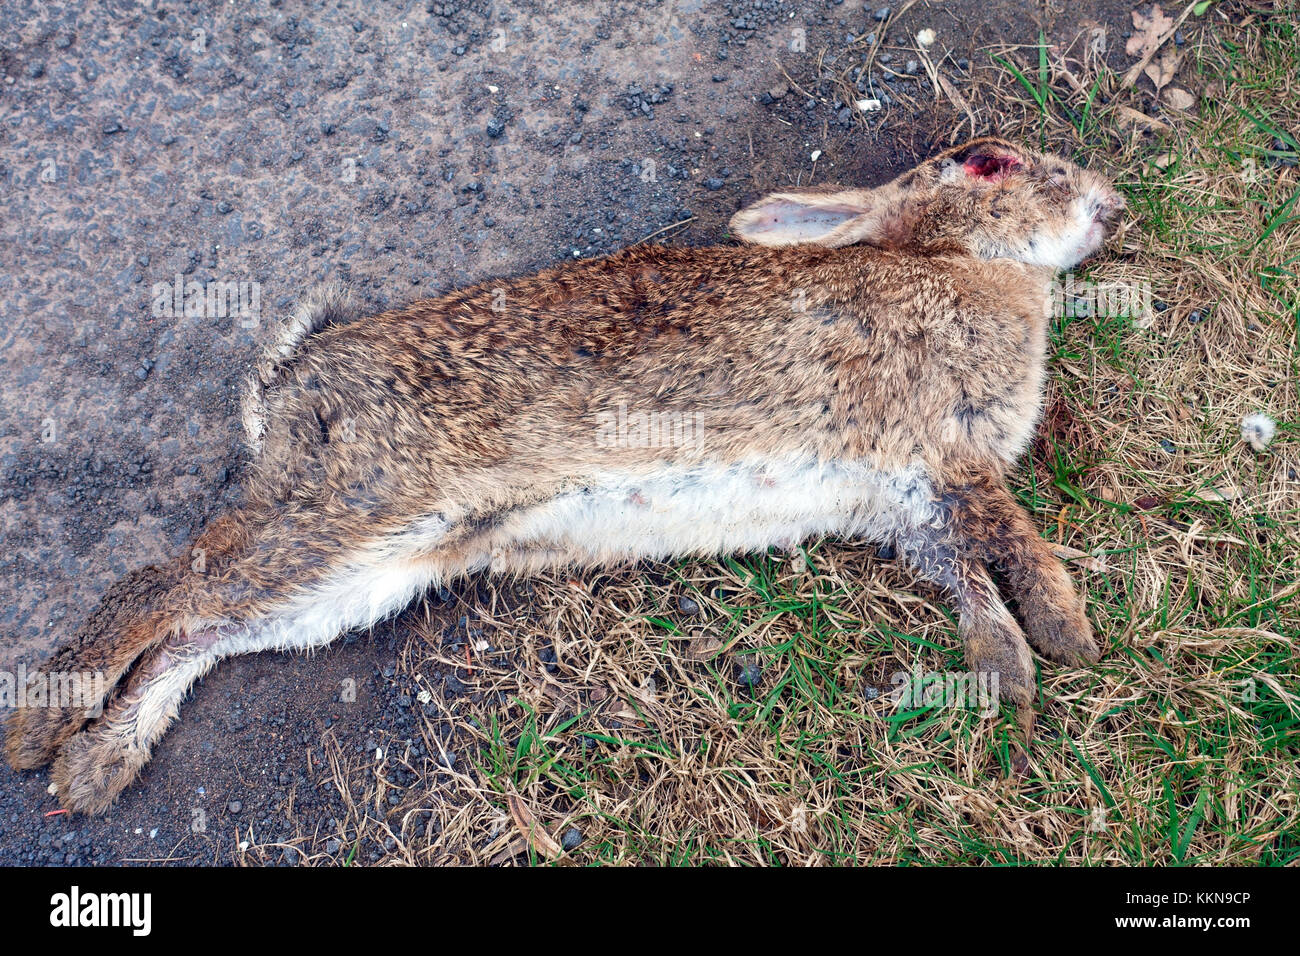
(986, 166)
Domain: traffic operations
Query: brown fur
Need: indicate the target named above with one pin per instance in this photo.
(905, 334)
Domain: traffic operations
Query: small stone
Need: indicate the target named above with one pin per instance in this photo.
(713, 184)
(882, 13)
(1168, 446)
(687, 605)
(234, 806)
(572, 837)
(750, 674)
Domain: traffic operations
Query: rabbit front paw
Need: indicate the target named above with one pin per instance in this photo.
(1060, 631)
(995, 647)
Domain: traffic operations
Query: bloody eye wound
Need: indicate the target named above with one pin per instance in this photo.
(987, 166)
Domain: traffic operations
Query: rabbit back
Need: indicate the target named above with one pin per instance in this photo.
(658, 402)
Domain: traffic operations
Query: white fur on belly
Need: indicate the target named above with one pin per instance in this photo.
(669, 512)
(716, 508)
(707, 509)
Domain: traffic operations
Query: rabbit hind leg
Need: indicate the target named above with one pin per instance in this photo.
(99, 761)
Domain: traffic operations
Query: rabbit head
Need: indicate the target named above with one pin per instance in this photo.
(988, 198)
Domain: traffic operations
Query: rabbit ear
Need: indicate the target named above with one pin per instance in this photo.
(811, 217)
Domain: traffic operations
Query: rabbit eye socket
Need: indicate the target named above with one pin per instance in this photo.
(988, 166)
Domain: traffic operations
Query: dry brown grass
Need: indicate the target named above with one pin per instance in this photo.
(645, 736)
